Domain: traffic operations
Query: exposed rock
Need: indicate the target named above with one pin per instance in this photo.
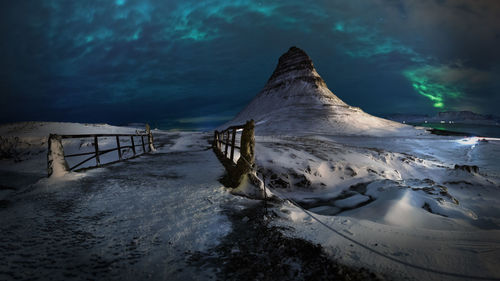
(294, 65)
(467, 168)
(427, 207)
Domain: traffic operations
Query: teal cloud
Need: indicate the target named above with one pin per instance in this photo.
(69, 55)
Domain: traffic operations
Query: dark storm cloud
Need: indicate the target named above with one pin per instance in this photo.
(139, 60)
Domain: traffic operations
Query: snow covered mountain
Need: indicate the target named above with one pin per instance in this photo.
(296, 100)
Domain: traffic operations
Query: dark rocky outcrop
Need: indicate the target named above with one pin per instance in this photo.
(467, 168)
(294, 65)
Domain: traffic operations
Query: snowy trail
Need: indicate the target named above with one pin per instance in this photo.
(134, 220)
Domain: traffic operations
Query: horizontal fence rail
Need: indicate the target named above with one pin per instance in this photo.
(225, 141)
(97, 152)
(56, 155)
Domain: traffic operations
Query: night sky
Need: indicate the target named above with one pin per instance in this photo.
(195, 64)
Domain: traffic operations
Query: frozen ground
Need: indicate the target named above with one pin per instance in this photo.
(402, 198)
(397, 206)
(133, 220)
(162, 216)
(373, 192)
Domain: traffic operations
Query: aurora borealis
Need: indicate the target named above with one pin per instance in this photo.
(197, 63)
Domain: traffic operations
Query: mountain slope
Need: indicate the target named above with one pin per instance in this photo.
(296, 100)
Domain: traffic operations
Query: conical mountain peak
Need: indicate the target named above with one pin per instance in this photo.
(296, 101)
(294, 65)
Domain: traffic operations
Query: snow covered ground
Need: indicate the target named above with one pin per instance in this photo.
(134, 220)
(397, 206)
(412, 212)
(374, 192)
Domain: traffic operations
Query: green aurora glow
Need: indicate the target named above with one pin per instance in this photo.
(92, 55)
(427, 86)
(427, 80)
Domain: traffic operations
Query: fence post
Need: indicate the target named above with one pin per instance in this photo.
(119, 148)
(143, 147)
(150, 138)
(219, 144)
(97, 160)
(56, 163)
(247, 146)
(227, 142)
(233, 140)
(133, 144)
(265, 191)
(215, 143)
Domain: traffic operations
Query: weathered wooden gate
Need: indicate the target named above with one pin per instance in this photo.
(56, 159)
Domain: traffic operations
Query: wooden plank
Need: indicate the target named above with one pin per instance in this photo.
(119, 148)
(227, 142)
(96, 153)
(235, 146)
(101, 152)
(235, 127)
(80, 154)
(97, 160)
(98, 135)
(232, 144)
(220, 141)
(133, 145)
(149, 142)
(107, 151)
(81, 163)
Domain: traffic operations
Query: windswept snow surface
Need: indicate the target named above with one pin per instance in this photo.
(134, 220)
(399, 197)
(395, 205)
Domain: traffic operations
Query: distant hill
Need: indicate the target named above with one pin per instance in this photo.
(464, 117)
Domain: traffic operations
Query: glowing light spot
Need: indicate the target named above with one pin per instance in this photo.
(120, 2)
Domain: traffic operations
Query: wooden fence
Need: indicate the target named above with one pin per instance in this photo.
(224, 145)
(97, 152)
(225, 141)
(56, 155)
